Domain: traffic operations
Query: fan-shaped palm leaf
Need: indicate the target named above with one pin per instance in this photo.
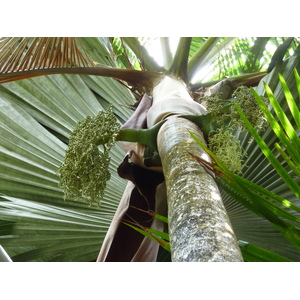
(26, 58)
(31, 155)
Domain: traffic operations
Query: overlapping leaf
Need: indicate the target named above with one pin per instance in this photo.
(272, 189)
(36, 116)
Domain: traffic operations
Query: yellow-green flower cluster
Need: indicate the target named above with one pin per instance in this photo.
(249, 106)
(84, 172)
(222, 142)
(224, 109)
(227, 148)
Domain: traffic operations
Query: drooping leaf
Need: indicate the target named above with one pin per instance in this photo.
(279, 53)
(263, 200)
(252, 253)
(268, 153)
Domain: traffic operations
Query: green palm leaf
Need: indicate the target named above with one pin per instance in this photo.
(289, 144)
(252, 253)
(58, 234)
(36, 115)
(236, 56)
(30, 158)
(285, 185)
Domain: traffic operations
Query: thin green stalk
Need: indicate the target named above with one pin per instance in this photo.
(289, 97)
(143, 136)
(142, 54)
(166, 52)
(180, 61)
(201, 54)
(295, 168)
(159, 237)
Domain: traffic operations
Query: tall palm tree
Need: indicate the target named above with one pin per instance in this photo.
(39, 112)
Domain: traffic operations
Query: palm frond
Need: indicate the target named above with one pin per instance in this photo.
(23, 58)
(45, 232)
(19, 54)
(253, 253)
(291, 143)
(199, 54)
(203, 55)
(235, 56)
(275, 196)
(124, 57)
(254, 55)
(280, 53)
(30, 157)
(36, 115)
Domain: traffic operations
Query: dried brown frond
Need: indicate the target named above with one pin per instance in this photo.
(26, 57)
(207, 166)
(23, 54)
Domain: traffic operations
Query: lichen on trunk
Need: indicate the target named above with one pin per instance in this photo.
(199, 227)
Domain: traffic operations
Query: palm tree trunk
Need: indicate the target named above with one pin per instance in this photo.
(199, 226)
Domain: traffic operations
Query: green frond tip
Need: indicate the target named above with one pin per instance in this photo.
(227, 148)
(84, 172)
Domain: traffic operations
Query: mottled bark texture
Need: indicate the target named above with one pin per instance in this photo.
(200, 230)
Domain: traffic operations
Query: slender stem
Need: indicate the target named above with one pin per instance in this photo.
(147, 79)
(201, 54)
(142, 54)
(211, 55)
(143, 136)
(180, 61)
(166, 51)
(250, 79)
